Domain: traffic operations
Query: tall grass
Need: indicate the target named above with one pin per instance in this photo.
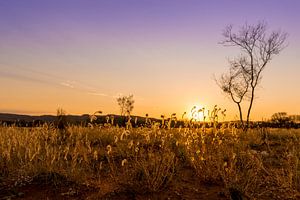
(257, 165)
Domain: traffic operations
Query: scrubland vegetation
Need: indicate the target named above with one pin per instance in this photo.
(104, 161)
(165, 159)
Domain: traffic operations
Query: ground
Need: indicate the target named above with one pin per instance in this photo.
(184, 186)
(149, 163)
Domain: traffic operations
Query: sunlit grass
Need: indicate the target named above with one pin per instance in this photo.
(262, 164)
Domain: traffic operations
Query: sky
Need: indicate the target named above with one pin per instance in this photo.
(81, 55)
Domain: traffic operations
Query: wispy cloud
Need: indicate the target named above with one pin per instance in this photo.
(69, 84)
(83, 88)
(21, 77)
(98, 94)
(28, 74)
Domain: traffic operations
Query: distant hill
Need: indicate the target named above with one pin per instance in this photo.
(28, 120)
(6, 117)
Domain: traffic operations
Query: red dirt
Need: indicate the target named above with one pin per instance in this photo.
(185, 186)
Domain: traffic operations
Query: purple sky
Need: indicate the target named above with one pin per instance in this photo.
(81, 54)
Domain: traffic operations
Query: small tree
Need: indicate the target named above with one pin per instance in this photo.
(61, 122)
(245, 71)
(126, 104)
(280, 118)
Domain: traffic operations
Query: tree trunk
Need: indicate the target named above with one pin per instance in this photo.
(241, 114)
(249, 109)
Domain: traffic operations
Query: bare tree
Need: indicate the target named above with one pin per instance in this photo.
(126, 104)
(245, 72)
(61, 121)
(281, 118)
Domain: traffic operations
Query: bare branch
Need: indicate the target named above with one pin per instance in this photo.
(245, 72)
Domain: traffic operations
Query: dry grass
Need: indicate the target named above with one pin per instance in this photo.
(262, 164)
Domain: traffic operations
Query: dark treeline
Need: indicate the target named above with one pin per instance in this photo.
(123, 121)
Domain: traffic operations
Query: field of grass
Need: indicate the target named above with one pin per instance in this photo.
(110, 162)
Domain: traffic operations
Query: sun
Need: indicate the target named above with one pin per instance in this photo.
(196, 112)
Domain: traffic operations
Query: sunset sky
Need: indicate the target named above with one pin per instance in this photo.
(80, 55)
